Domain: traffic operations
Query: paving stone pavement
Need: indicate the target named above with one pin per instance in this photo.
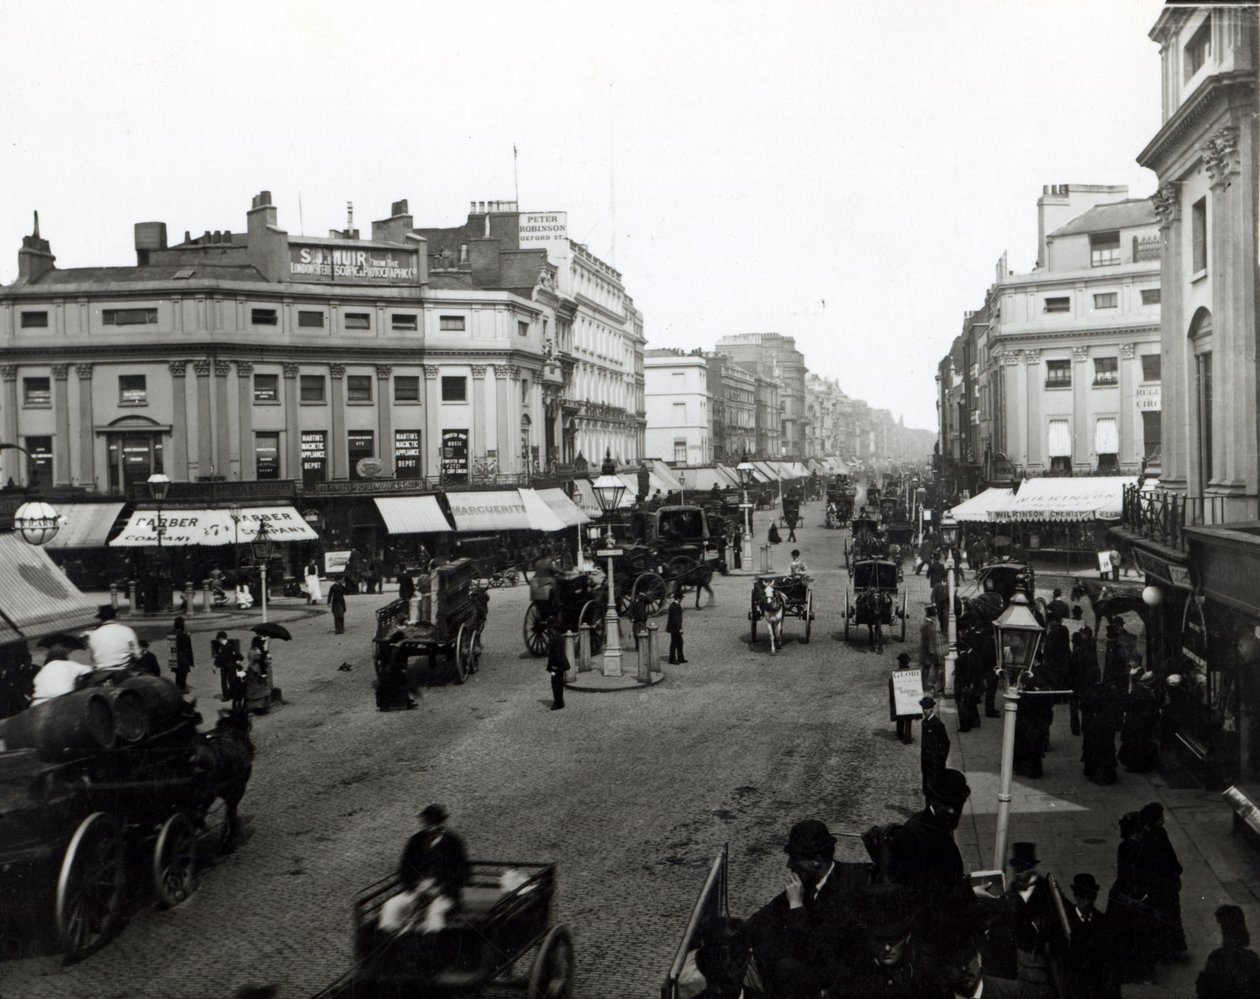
(630, 793)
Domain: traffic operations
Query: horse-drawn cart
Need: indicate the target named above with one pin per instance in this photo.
(777, 597)
(501, 933)
(452, 633)
(575, 597)
(873, 600)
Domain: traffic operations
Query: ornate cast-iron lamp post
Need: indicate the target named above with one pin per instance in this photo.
(949, 535)
(159, 485)
(608, 491)
(745, 472)
(262, 547)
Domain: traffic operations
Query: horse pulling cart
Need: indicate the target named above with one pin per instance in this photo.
(103, 791)
(873, 601)
(777, 597)
(501, 934)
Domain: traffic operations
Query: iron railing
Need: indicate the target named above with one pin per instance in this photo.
(1162, 516)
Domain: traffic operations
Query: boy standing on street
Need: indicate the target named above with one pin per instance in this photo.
(674, 625)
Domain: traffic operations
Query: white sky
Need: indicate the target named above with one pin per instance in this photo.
(739, 162)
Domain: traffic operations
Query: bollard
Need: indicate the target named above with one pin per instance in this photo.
(426, 608)
(654, 657)
(765, 558)
(584, 647)
(207, 599)
(645, 665)
(190, 597)
(730, 555)
(113, 595)
(570, 652)
(131, 596)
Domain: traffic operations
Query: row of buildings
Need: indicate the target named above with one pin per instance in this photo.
(752, 394)
(1131, 347)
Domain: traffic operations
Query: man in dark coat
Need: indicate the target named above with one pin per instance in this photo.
(1033, 921)
(674, 625)
(1233, 969)
(337, 603)
(148, 662)
(1089, 967)
(954, 954)
(406, 586)
(433, 871)
(224, 658)
(1056, 653)
(557, 662)
(921, 853)
(722, 957)
(888, 965)
(968, 683)
(1058, 606)
(1098, 730)
(182, 647)
(936, 571)
(935, 747)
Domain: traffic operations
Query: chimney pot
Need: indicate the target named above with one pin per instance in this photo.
(205, 236)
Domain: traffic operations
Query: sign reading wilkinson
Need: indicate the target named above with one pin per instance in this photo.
(325, 263)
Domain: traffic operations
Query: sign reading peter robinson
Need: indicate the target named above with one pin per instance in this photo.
(550, 230)
(352, 265)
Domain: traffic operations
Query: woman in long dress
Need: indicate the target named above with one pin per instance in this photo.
(314, 595)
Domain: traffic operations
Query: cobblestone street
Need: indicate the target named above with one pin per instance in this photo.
(631, 793)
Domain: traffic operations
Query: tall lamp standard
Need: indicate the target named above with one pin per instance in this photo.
(36, 521)
(608, 491)
(159, 485)
(745, 471)
(1017, 635)
(682, 486)
(262, 545)
(949, 535)
(234, 511)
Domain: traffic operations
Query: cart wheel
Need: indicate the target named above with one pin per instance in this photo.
(847, 613)
(652, 585)
(535, 629)
(592, 613)
(175, 860)
(474, 652)
(551, 976)
(378, 660)
(89, 887)
(684, 570)
(463, 652)
(809, 613)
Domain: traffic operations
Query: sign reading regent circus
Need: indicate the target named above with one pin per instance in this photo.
(352, 265)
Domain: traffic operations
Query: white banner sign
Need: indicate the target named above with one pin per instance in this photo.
(550, 230)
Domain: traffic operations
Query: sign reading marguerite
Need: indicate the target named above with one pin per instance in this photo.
(351, 264)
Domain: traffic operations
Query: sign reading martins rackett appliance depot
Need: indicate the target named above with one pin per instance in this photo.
(352, 264)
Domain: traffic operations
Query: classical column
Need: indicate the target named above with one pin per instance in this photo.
(385, 417)
(292, 425)
(245, 418)
(176, 462)
(1020, 401)
(1082, 381)
(338, 447)
(222, 423)
(87, 428)
(1177, 368)
(61, 446)
(17, 466)
(1130, 451)
(515, 407)
(478, 427)
(502, 435)
(203, 459)
(433, 421)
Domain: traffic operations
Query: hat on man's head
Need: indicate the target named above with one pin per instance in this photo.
(434, 813)
(887, 912)
(1084, 884)
(810, 838)
(903, 657)
(106, 612)
(796, 553)
(950, 788)
(927, 702)
(1024, 856)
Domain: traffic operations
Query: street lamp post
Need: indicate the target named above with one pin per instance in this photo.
(36, 521)
(949, 535)
(745, 471)
(234, 511)
(608, 491)
(159, 485)
(1017, 635)
(682, 486)
(262, 553)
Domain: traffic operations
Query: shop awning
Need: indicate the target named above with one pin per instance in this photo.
(412, 514)
(190, 526)
(586, 498)
(570, 514)
(541, 516)
(499, 510)
(768, 472)
(1067, 499)
(728, 476)
(704, 479)
(35, 597)
(87, 525)
(664, 477)
(984, 505)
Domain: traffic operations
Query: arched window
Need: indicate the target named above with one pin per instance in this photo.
(1201, 348)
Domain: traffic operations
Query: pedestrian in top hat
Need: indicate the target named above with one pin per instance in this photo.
(337, 604)
(1232, 970)
(904, 722)
(1058, 606)
(921, 855)
(935, 748)
(1033, 922)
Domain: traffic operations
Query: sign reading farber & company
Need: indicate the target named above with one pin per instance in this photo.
(352, 264)
(550, 230)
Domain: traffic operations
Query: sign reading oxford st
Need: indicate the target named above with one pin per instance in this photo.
(352, 265)
(549, 230)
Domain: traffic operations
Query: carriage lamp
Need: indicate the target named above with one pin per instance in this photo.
(37, 522)
(262, 548)
(1017, 634)
(608, 491)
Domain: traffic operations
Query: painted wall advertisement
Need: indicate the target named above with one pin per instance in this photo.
(455, 454)
(407, 454)
(352, 265)
(1148, 398)
(550, 230)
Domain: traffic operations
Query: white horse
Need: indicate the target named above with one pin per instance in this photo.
(769, 605)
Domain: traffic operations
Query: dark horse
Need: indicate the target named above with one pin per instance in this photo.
(874, 607)
(223, 759)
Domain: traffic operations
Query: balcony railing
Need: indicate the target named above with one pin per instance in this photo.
(1162, 516)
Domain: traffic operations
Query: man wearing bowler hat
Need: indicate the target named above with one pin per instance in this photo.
(1032, 922)
(888, 965)
(1088, 968)
(432, 872)
(935, 749)
(925, 858)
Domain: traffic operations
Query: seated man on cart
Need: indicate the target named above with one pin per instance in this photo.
(432, 873)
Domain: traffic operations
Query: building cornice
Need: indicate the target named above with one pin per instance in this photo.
(1216, 93)
(998, 341)
(259, 353)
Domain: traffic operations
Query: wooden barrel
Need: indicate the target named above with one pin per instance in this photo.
(61, 726)
(144, 706)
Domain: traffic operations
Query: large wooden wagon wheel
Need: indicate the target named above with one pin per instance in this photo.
(847, 613)
(592, 613)
(535, 628)
(465, 652)
(652, 586)
(551, 976)
(89, 887)
(175, 860)
(809, 614)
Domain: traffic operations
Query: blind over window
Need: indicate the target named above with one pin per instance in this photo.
(1106, 437)
(1060, 443)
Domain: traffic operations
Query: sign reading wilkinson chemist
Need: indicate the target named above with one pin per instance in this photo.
(352, 265)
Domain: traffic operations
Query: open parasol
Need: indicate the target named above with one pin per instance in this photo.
(272, 630)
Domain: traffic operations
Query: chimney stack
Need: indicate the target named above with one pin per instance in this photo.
(262, 213)
(35, 258)
(149, 236)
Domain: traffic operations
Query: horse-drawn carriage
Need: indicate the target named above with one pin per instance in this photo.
(101, 791)
(575, 597)
(777, 597)
(501, 934)
(449, 616)
(873, 601)
(900, 540)
(867, 540)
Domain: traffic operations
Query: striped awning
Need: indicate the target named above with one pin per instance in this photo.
(983, 506)
(541, 516)
(497, 510)
(87, 525)
(184, 526)
(35, 596)
(569, 512)
(412, 514)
